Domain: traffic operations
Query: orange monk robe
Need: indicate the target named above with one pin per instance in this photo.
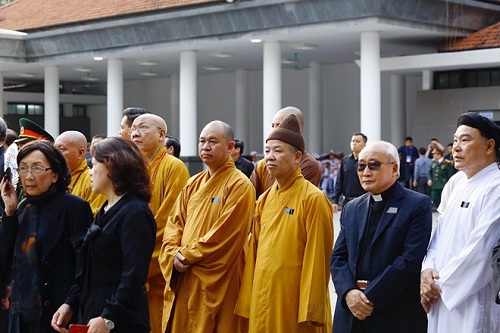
(168, 175)
(81, 187)
(262, 180)
(285, 283)
(209, 226)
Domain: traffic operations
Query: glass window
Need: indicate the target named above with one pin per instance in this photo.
(466, 78)
(17, 109)
(483, 78)
(79, 111)
(470, 79)
(455, 81)
(495, 77)
(444, 81)
(35, 110)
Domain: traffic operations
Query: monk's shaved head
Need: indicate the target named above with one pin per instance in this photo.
(73, 138)
(148, 133)
(73, 146)
(152, 120)
(226, 130)
(215, 144)
(281, 114)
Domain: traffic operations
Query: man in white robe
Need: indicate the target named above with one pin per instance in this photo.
(456, 282)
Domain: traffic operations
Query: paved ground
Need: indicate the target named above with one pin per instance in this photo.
(336, 226)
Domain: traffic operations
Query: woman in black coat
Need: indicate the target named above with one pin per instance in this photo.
(36, 237)
(115, 254)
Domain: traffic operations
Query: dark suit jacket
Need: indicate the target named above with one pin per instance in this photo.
(398, 247)
(244, 166)
(113, 266)
(61, 218)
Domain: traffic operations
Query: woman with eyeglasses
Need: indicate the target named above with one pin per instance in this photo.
(36, 236)
(110, 293)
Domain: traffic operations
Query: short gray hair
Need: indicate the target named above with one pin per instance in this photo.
(390, 150)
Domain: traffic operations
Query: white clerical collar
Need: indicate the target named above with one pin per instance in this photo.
(377, 197)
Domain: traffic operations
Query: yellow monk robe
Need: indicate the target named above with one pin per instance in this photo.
(209, 225)
(168, 176)
(285, 283)
(81, 187)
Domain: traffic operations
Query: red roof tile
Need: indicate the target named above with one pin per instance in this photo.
(25, 15)
(486, 38)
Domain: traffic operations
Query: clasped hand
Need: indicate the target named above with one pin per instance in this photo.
(429, 290)
(178, 263)
(359, 305)
(63, 315)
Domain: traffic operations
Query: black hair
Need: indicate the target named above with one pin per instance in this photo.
(10, 137)
(174, 142)
(132, 113)
(239, 144)
(99, 136)
(365, 138)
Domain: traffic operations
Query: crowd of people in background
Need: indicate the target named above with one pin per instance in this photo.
(425, 170)
(115, 235)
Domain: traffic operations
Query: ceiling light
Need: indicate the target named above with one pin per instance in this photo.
(148, 73)
(98, 58)
(221, 55)
(288, 61)
(147, 63)
(90, 79)
(27, 75)
(255, 40)
(212, 68)
(82, 69)
(303, 46)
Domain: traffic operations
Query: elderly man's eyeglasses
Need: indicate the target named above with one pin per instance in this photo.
(141, 129)
(372, 165)
(35, 170)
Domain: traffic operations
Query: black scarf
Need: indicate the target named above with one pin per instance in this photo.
(26, 298)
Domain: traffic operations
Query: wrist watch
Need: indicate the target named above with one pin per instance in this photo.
(109, 324)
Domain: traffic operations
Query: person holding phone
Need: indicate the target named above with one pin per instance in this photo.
(110, 293)
(35, 237)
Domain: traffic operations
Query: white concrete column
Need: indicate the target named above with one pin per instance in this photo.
(51, 100)
(173, 126)
(427, 80)
(115, 96)
(272, 85)
(370, 85)
(241, 128)
(187, 104)
(315, 121)
(2, 106)
(398, 108)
